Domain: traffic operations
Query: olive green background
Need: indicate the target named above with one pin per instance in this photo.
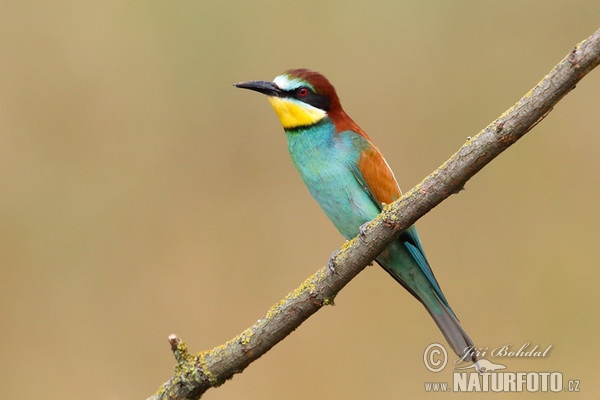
(142, 195)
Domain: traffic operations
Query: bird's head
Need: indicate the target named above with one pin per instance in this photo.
(300, 97)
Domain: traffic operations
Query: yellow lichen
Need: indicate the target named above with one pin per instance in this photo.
(344, 247)
(274, 310)
(204, 368)
(245, 337)
(329, 301)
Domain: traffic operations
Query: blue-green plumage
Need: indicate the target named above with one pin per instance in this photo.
(324, 160)
(351, 181)
(327, 162)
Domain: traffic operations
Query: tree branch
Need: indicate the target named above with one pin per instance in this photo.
(195, 373)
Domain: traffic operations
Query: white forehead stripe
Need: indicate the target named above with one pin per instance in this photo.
(284, 82)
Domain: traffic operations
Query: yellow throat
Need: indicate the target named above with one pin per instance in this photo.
(293, 113)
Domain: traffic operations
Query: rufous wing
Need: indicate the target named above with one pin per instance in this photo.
(377, 177)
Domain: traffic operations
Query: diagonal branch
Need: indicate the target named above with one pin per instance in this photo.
(195, 373)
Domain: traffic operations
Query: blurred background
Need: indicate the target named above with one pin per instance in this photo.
(143, 195)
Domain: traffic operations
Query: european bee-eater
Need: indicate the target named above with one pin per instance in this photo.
(349, 178)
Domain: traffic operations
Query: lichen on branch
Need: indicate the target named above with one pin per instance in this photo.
(194, 374)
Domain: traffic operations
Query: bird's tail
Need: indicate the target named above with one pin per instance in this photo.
(456, 336)
(405, 261)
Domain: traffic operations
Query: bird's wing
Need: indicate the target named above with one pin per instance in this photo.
(376, 177)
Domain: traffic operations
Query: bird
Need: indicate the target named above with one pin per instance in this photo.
(352, 182)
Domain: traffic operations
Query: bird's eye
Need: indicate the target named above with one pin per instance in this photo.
(302, 92)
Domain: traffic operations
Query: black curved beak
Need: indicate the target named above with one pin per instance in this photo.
(264, 87)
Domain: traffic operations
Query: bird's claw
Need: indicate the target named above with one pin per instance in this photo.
(331, 263)
(362, 230)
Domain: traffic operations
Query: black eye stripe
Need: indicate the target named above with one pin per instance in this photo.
(312, 98)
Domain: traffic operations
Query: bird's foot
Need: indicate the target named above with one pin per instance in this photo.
(362, 230)
(331, 263)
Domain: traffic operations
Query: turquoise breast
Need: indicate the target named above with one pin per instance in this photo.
(326, 161)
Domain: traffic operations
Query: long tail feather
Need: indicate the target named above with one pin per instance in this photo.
(456, 336)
